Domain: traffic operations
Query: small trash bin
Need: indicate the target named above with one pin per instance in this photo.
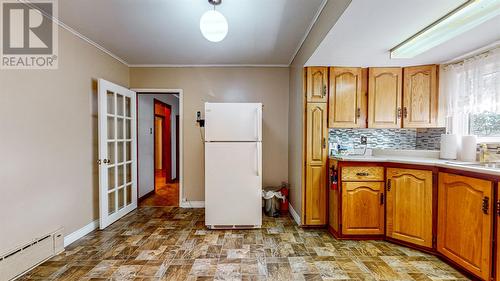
(271, 197)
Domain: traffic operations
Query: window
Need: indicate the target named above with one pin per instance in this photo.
(471, 93)
(486, 124)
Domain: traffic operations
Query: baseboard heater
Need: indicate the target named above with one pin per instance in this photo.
(18, 261)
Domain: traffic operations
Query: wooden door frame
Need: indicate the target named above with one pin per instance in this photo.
(180, 172)
(155, 102)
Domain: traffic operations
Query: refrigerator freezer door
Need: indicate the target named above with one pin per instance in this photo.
(233, 121)
(233, 184)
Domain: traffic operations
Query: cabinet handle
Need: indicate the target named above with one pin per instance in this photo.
(389, 185)
(323, 143)
(359, 112)
(324, 91)
(498, 208)
(486, 204)
(381, 199)
(362, 174)
(405, 112)
(398, 112)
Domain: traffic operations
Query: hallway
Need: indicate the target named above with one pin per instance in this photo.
(165, 194)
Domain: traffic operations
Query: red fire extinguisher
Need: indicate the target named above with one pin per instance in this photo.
(333, 179)
(284, 202)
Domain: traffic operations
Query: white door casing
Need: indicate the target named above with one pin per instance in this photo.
(117, 152)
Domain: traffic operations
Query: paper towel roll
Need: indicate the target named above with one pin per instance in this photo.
(468, 149)
(449, 147)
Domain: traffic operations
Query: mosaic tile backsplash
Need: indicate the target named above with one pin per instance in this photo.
(422, 139)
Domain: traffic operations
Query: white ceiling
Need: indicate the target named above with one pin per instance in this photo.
(166, 32)
(368, 29)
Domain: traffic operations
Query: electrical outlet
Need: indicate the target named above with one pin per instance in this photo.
(364, 140)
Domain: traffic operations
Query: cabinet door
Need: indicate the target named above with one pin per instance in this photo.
(317, 81)
(420, 105)
(362, 208)
(464, 222)
(316, 170)
(347, 98)
(409, 206)
(498, 234)
(384, 97)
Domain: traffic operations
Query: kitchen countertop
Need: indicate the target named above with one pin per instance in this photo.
(415, 157)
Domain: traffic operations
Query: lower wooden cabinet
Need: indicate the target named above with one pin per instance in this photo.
(409, 206)
(362, 208)
(497, 214)
(465, 222)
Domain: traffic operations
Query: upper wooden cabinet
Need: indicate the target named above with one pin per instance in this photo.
(409, 206)
(317, 83)
(347, 98)
(316, 164)
(465, 222)
(420, 105)
(385, 97)
(362, 208)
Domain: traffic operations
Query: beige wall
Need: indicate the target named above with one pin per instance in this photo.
(48, 143)
(327, 19)
(266, 85)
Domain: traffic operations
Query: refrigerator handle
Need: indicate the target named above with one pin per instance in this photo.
(259, 123)
(259, 160)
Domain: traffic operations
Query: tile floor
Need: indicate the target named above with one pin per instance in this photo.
(169, 243)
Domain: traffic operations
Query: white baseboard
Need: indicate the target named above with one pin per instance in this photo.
(294, 214)
(72, 237)
(193, 204)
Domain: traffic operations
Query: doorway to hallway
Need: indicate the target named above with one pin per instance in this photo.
(158, 143)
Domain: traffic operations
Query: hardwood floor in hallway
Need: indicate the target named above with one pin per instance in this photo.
(170, 243)
(166, 194)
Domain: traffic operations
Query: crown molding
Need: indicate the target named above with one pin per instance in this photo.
(321, 7)
(204, 65)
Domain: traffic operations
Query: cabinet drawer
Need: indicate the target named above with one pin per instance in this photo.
(363, 174)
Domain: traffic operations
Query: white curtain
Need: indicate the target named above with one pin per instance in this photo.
(470, 87)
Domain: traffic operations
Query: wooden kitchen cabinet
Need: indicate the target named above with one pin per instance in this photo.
(385, 97)
(420, 89)
(497, 219)
(409, 206)
(317, 84)
(362, 208)
(465, 222)
(347, 97)
(316, 164)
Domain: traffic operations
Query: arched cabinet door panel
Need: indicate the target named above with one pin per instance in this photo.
(362, 208)
(465, 207)
(317, 82)
(316, 162)
(420, 105)
(347, 97)
(409, 206)
(385, 97)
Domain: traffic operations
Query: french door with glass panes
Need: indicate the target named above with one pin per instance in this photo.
(117, 152)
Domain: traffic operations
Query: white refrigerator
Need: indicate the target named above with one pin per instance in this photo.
(233, 165)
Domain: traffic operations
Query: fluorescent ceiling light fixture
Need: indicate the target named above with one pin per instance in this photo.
(464, 18)
(213, 24)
